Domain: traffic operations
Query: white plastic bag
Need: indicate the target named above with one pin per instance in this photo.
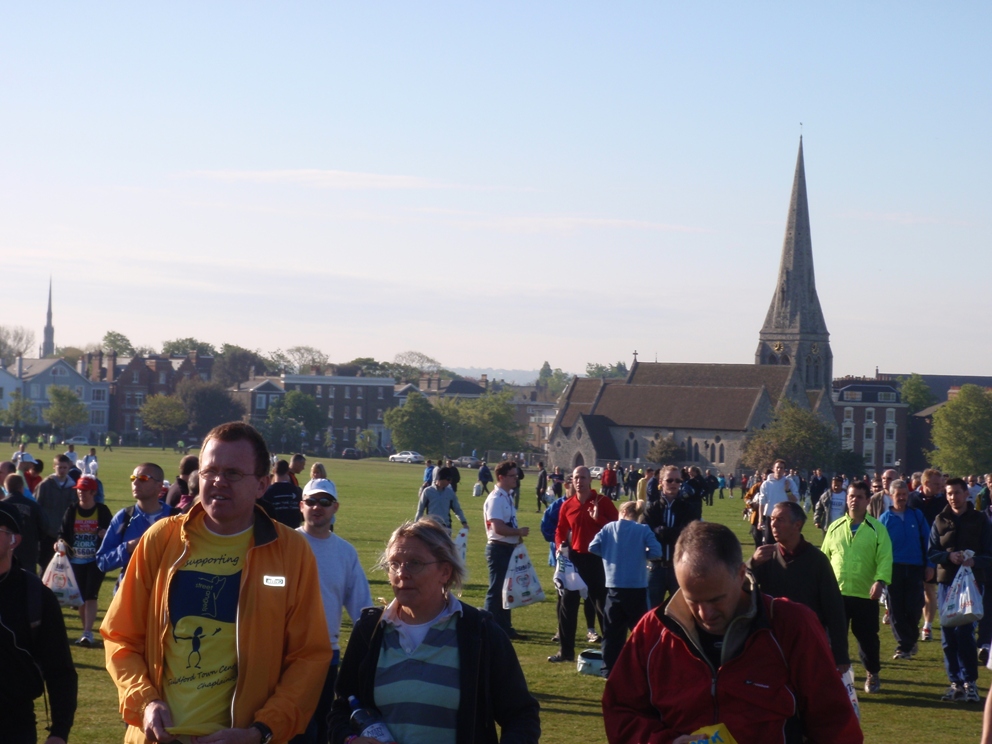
(521, 586)
(566, 578)
(477, 489)
(848, 679)
(461, 542)
(60, 579)
(963, 602)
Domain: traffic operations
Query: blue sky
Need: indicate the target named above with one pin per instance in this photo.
(498, 185)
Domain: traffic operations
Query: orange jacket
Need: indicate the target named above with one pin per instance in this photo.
(283, 648)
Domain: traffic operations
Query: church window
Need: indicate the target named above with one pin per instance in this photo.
(712, 453)
(630, 435)
(626, 449)
(772, 359)
(635, 449)
(578, 433)
(695, 453)
(809, 372)
(816, 373)
(785, 359)
(688, 448)
(721, 454)
(579, 460)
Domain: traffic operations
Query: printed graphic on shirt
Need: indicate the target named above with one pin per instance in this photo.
(201, 664)
(86, 536)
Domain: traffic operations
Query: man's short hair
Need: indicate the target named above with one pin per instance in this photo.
(779, 461)
(299, 456)
(188, 464)
(796, 512)
(238, 431)
(157, 472)
(443, 474)
(14, 483)
(703, 543)
(505, 467)
(896, 484)
(957, 482)
(929, 473)
(38, 466)
(837, 479)
(7, 467)
(667, 469)
(282, 468)
(64, 459)
(860, 485)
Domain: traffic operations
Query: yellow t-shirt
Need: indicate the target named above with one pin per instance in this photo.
(201, 654)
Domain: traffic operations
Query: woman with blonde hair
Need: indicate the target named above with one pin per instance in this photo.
(436, 669)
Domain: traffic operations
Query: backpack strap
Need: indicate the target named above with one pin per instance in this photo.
(128, 514)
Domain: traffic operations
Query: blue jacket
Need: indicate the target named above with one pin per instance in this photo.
(113, 551)
(910, 535)
(549, 525)
(625, 547)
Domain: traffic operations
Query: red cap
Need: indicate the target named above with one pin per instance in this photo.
(86, 483)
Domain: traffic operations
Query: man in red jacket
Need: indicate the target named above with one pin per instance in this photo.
(580, 519)
(720, 653)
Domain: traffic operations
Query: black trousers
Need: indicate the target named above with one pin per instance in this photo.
(862, 615)
(624, 608)
(590, 568)
(906, 604)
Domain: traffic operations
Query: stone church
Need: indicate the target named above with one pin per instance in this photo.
(709, 409)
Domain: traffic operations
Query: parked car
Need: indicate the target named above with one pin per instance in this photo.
(467, 461)
(350, 453)
(76, 440)
(407, 456)
(595, 472)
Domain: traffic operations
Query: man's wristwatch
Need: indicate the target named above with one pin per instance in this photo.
(264, 730)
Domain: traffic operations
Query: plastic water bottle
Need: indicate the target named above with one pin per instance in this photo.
(368, 723)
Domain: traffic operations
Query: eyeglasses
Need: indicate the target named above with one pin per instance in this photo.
(8, 532)
(230, 475)
(143, 478)
(673, 480)
(318, 502)
(414, 568)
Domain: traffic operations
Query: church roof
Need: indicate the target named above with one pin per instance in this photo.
(598, 429)
(772, 377)
(679, 407)
(795, 306)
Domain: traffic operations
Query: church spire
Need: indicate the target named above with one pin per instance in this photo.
(48, 347)
(794, 331)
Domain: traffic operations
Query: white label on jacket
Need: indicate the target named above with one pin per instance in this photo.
(274, 580)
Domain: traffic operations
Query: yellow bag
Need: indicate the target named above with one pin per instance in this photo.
(713, 735)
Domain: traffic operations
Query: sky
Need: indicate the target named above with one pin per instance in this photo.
(496, 185)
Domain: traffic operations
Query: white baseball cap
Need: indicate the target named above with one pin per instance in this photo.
(321, 485)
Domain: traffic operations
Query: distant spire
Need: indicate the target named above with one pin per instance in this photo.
(48, 347)
(795, 306)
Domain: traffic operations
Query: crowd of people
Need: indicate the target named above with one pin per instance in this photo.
(235, 560)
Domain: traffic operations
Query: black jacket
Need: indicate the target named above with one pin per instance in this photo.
(493, 688)
(34, 659)
(667, 520)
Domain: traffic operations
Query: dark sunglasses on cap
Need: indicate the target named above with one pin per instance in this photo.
(324, 502)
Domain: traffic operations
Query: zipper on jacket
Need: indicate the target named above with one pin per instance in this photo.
(237, 631)
(165, 610)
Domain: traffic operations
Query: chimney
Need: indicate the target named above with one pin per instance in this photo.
(112, 366)
(251, 372)
(194, 357)
(484, 380)
(81, 367)
(20, 366)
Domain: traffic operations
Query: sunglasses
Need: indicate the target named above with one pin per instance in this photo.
(673, 480)
(142, 478)
(318, 502)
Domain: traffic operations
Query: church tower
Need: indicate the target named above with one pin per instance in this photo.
(48, 347)
(794, 331)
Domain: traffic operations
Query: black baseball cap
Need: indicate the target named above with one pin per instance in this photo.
(10, 518)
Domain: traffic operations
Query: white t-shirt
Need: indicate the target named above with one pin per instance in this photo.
(838, 506)
(773, 491)
(499, 505)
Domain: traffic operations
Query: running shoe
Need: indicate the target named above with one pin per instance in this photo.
(971, 693)
(593, 637)
(85, 640)
(926, 634)
(872, 683)
(902, 655)
(954, 694)
(886, 620)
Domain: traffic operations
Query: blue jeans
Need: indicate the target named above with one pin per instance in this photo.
(661, 583)
(498, 559)
(960, 650)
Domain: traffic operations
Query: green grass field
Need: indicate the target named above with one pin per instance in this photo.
(376, 496)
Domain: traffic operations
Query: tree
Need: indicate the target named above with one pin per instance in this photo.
(419, 361)
(183, 346)
(234, 364)
(490, 422)
(416, 425)
(15, 341)
(65, 410)
(117, 343)
(299, 407)
(277, 361)
(800, 437)
(367, 441)
(849, 462)
(613, 370)
(304, 357)
(19, 411)
(962, 433)
(665, 451)
(207, 404)
(916, 393)
(164, 413)
(71, 354)
(370, 367)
